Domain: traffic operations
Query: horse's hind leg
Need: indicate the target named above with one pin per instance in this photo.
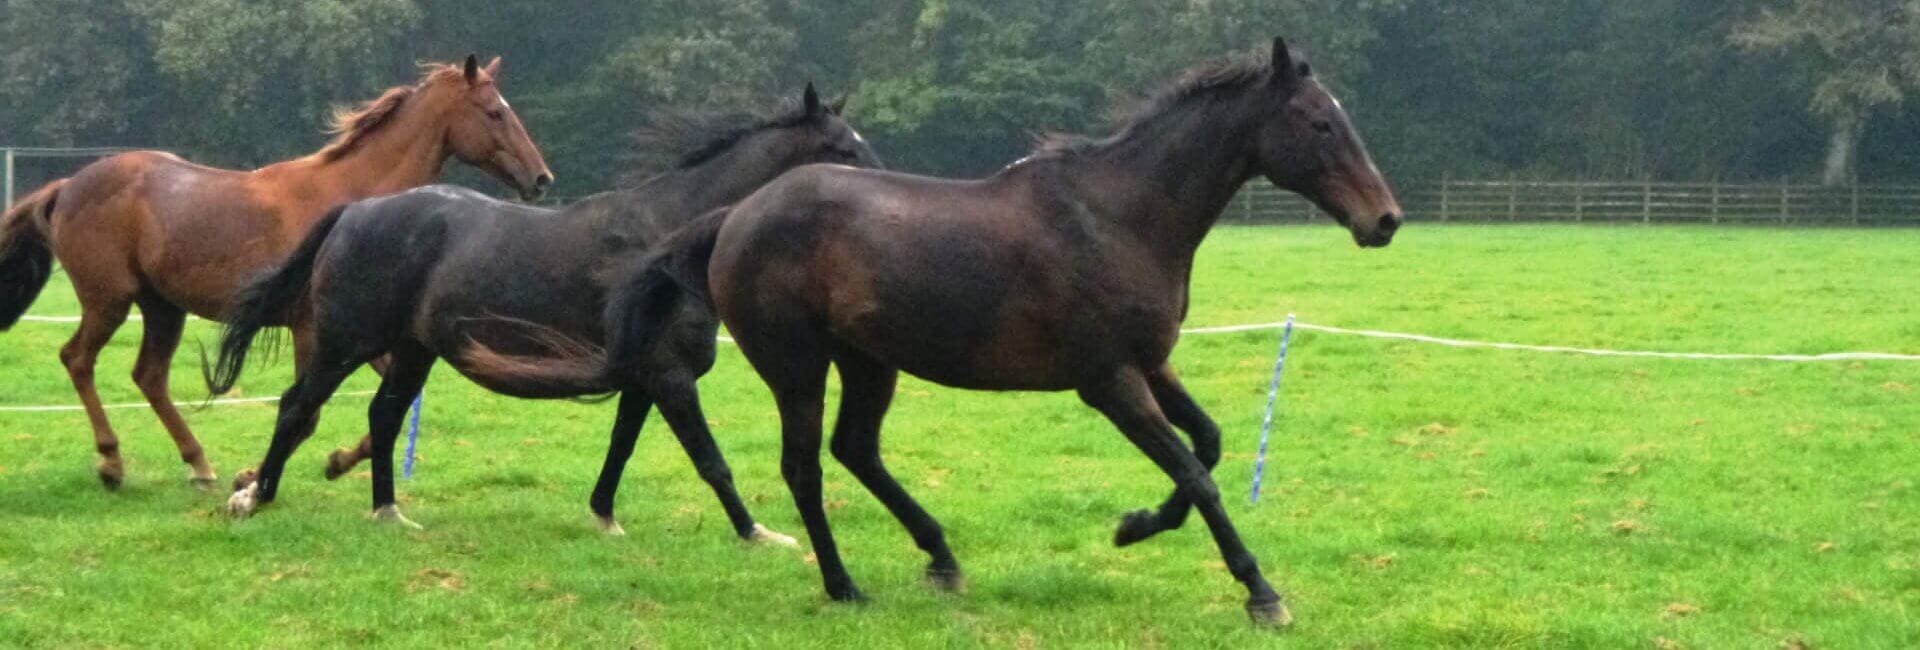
(626, 430)
(795, 369)
(163, 323)
(867, 389)
(1127, 400)
(678, 399)
(343, 460)
(404, 378)
(98, 320)
(305, 346)
(1184, 413)
(299, 414)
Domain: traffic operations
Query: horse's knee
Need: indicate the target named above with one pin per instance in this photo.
(1199, 489)
(78, 363)
(151, 378)
(715, 471)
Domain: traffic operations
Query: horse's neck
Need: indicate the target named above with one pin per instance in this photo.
(673, 198)
(1168, 181)
(408, 153)
(725, 179)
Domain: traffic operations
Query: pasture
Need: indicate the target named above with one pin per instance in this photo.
(1416, 495)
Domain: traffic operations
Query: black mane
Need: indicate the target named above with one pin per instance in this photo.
(1203, 81)
(679, 139)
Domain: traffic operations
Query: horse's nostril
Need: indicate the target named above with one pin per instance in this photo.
(543, 181)
(1389, 222)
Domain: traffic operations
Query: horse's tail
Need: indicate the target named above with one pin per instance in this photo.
(26, 252)
(269, 300)
(637, 313)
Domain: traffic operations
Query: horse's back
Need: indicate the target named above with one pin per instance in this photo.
(972, 283)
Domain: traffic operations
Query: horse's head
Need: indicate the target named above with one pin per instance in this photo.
(1307, 145)
(822, 135)
(483, 131)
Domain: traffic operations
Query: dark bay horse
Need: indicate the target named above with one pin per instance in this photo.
(428, 273)
(150, 229)
(1067, 270)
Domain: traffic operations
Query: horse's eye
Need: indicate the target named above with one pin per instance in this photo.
(1323, 127)
(495, 114)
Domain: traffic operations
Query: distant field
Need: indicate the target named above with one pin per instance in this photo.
(1416, 496)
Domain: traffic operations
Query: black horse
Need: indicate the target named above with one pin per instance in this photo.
(1067, 270)
(425, 274)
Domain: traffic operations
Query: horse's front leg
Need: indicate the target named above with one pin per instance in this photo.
(1127, 400)
(343, 459)
(1182, 412)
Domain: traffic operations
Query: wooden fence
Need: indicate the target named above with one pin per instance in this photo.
(1631, 201)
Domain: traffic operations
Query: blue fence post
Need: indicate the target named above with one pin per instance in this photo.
(413, 437)
(1273, 397)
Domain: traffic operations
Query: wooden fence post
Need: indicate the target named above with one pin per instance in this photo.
(1513, 199)
(1445, 212)
(1855, 209)
(1579, 201)
(7, 157)
(1785, 185)
(1246, 204)
(1715, 210)
(1646, 201)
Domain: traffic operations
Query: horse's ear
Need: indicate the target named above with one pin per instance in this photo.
(1286, 75)
(493, 68)
(473, 68)
(810, 100)
(838, 105)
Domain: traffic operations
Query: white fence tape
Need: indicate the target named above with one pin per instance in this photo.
(1459, 343)
(141, 405)
(1238, 329)
(76, 319)
(1435, 340)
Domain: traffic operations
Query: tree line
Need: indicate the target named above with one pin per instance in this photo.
(1663, 89)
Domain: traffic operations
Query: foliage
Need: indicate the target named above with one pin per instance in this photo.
(1549, 88)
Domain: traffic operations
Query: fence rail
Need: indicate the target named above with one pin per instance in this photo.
(1631, 201)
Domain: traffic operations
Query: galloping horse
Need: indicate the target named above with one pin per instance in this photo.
(428, 273)
(151, 229)
(1067, 270)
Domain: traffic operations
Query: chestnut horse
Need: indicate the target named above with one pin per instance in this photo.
(431, 272)
(150, 229)
(1067, 270)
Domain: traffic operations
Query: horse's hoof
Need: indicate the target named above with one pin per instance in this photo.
(765, 536)
(847, 594)
(112, 476)
(390, 514)
(610, 527)
(1270, 615)
(245, 478)
(242, 504)
(1136, 527)
(204, 483)
(338, 467)
(947, 580)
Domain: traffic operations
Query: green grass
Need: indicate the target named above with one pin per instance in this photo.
(1417, 495)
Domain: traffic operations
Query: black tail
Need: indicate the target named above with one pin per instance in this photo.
(636, 314)
(26, 252)
(265, 302)
(676, 272)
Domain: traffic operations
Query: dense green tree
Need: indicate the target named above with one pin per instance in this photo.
(1862, 56)
(1547, 88)
(74, 72)
(260, 77)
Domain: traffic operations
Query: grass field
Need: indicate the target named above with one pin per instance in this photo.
(1417, 495)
